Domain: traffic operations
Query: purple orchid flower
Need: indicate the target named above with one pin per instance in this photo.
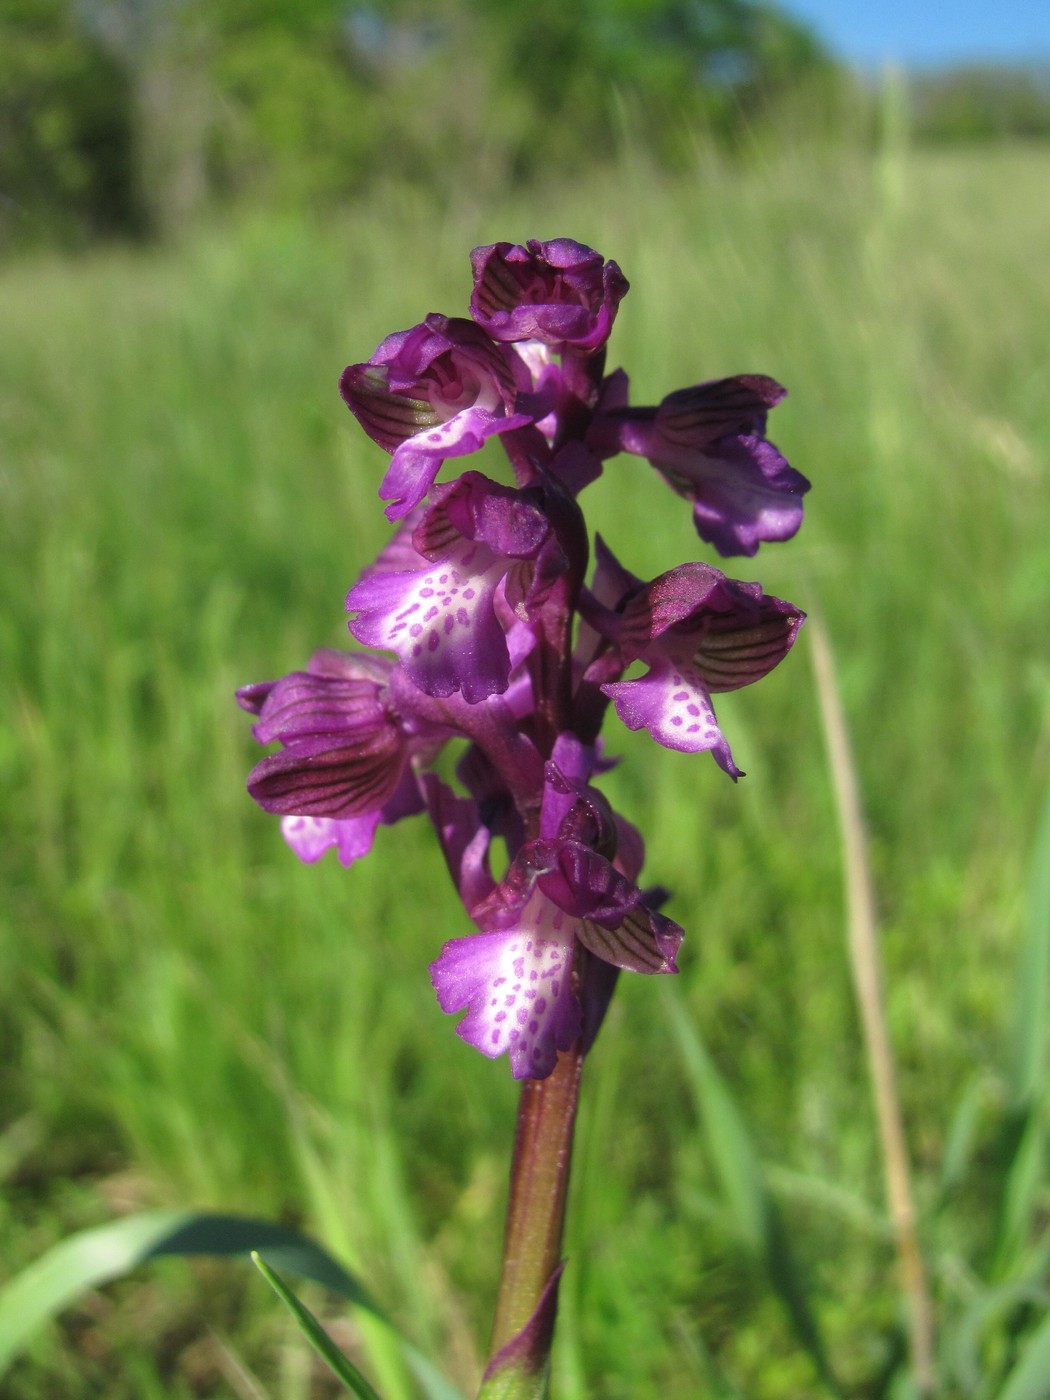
(479, 595)
(708, 443)
(700, 633)
(560, 293)
(561, 895)
(436, 391)
(441, 616)
(343, 766)
(501, 647)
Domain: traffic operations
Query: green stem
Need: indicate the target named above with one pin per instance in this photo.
(539, 1185)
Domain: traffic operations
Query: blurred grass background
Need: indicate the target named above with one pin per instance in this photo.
(190, 1017)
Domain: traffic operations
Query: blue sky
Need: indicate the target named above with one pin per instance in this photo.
(928, 32)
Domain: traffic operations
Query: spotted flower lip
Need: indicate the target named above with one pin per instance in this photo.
(559, 292)
(708, 443)
(515, 978)
(516, 990)
(440, 617)
(436, 391)
(699, 633)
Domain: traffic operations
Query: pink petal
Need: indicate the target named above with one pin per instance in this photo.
(310, 837)
(441, 622)
(515, 988)
(672, 703)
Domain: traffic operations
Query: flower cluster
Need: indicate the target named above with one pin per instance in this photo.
(490, 633)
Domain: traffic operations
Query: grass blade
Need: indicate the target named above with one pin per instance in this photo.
(1030, 1378)
(1024, 1135)
(315, 1334)
(94, 1257)
(866, 972)
(1032, 1003)
(755, 1215)
(960, 1139)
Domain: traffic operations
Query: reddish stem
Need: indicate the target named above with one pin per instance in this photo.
(539, 1185)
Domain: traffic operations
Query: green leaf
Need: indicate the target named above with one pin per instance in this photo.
(993, 1305)
(94, 1257)
(315, 1334)
(757, 1220)
(960, 1139)
(1024, 1136)
(1030, 1378)
(1032, 998)
(433, 1383)
(1020, 1200)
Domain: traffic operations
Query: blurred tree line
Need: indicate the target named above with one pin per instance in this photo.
(982, 103)
(132, 117)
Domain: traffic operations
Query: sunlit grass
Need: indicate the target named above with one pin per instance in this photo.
(192, 1018)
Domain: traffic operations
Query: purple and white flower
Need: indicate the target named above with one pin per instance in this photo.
(518, 979)
(699, 633)
(708, 443)
(480, 597)
(441, 616)
(343, 766)
(561, 293)
(436, 391)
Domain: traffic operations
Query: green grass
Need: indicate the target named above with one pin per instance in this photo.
(191, 1018)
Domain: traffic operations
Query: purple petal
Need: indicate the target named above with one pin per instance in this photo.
(253, 697)
(516, 989)
(322, 776)
(672, 703)
(436, 391)
(409, 477)
(699, 415)
(453, 361)
(572, 810)
(559, 292)
(688, 593)
(304, 704)
(441, 621)
(708, 444)
(310, 837)
(730, 632)
(422, 376)
(389, 419)
(743, 492)
(730, 655)
(582, 882)
(642, 941)
(476, 508)
(574, 760)
(417, 461)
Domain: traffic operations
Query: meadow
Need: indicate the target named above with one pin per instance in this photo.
(190, 1017)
